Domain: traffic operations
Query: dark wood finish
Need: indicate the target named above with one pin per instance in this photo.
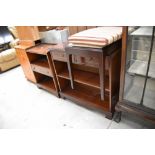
(78, 72)
(51, 65)
(47, 84)
(102, 73)
(69, 63)
(145, 114)
(85, 77)
(123, 61)
(99, 53)
(87, 97)
(42, 65)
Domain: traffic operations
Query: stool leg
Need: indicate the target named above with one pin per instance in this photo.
(69, 63)
(102, 74)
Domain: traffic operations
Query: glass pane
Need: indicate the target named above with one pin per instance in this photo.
(149, 96)
(139, 42)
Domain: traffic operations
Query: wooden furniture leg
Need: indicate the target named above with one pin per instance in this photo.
(69, 64)
(101, 74)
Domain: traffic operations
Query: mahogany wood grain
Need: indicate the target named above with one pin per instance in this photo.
(123, 62)
(47, 84)
(69, 64)
(52, 71)
(102, 73)
(87, 97)
(79, 80)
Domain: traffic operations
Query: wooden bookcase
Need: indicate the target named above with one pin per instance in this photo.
(42, 67)
(89, 77)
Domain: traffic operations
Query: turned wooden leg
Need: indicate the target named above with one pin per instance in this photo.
(102, 74)
(69, 63)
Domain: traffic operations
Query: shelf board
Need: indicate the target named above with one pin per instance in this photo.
(86, 98)
(140, 67)
(47, 84)
(42, 62)
(41, 66)
(64, 74)
(43, 48)
(84, 77)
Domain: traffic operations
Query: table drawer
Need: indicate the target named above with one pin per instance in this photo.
(59, 55)
(87, 61)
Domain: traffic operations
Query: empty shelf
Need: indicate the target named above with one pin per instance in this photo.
(140, 67)
(47, 84)
(86, 98)
(84, 77)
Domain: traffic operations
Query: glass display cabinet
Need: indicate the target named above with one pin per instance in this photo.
(137, 87)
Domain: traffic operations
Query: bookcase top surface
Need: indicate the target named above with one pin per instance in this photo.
(43, 48)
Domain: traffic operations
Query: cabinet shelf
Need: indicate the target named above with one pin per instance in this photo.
(41, 66)
(42, 62)
(140, 67)
(88, 98)
(86, 78)
(47, 84)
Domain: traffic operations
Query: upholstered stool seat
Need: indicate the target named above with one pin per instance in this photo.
(96, 37)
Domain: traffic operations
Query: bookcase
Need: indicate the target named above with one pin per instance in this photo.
(42, 67)
(89, 76)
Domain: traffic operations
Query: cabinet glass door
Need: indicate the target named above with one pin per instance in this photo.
(140, 67)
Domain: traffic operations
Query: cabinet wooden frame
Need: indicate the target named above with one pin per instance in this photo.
(124, 105)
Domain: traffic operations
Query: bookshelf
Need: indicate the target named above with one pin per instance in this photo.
(82, 80)
(42, 67)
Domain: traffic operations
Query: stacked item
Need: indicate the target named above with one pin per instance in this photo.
(96, 37)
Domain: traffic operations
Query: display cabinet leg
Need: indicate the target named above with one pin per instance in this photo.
(109, 117)
(118, 116)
